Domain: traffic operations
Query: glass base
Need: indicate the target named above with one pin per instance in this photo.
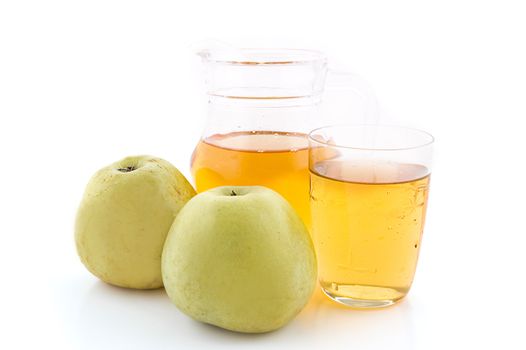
(363, 297)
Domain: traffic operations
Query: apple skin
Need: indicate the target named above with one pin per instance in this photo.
(124, 217)
(242, 262)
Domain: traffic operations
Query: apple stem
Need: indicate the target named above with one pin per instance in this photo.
(127, 169)
(233, 193)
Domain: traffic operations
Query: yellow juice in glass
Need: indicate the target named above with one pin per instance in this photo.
(277, 160)
(367, 222)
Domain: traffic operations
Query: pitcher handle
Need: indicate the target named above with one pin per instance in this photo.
(341, 85)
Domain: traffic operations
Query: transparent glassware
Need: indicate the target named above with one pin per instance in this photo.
(368, 196)
(261, 105)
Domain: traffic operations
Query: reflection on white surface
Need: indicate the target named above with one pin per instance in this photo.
(390, 327)
(110, 317)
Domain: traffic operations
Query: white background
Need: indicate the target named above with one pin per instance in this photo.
(85, 83)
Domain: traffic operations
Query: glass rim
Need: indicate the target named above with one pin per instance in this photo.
(262, 56)
(431, 138)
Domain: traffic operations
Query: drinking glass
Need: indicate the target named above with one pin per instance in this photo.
(369, 186)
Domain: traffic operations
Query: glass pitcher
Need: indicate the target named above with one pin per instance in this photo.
(261, 105)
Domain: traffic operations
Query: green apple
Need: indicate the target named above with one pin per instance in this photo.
(124, 217)
(239, 258)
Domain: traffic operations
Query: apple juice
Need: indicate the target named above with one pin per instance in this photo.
(367, 222)
(278, 160)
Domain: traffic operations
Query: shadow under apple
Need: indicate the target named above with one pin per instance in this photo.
(143, 318)
(124, 318)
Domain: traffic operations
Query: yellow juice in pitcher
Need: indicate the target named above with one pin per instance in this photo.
(367, 222)
(277, 160)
